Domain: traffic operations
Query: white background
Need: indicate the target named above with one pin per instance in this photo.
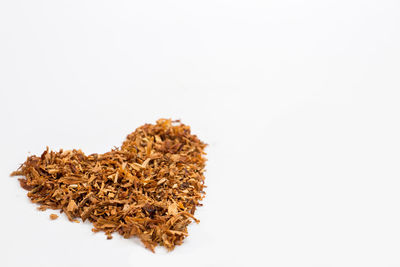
(298, 101)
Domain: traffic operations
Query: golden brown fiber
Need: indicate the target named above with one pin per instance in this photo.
(149, 188)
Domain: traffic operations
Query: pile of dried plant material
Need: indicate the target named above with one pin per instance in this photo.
(149, 188)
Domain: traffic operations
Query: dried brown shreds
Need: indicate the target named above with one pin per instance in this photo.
(149, 188)
(53, 216)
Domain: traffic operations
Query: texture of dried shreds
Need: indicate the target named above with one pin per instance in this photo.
(149, 188)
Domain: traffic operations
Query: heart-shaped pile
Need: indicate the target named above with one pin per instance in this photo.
(149, 188)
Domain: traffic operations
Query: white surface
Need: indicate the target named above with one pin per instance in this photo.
(298, 100)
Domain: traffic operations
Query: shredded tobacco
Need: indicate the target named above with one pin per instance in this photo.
(149, 188)
(53, 216)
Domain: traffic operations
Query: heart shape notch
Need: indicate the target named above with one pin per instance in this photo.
(149, 188)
